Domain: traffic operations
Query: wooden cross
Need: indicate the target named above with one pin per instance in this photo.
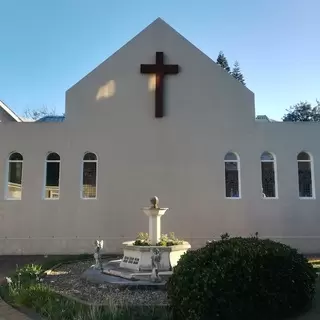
(160, 70)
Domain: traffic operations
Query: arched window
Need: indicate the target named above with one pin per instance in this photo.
(52, 176)
(89, 176)
(305, 175)
(232, 177)
(14, 186)
(268, 175)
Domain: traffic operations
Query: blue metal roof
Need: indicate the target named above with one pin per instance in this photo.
(51, 119)
(62, 118)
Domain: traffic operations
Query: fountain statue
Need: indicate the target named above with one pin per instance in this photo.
(97, 254)
(148, 264)
(155, 265)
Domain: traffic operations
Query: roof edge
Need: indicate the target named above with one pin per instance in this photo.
(12, 114)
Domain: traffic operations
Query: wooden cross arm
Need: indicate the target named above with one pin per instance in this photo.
(165, 69)
(147, 68)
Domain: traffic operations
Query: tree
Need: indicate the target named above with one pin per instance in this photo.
(303, 112)
(223, 62)
(236, 73)
(36, 114)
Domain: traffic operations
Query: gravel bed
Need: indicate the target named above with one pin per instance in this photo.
(66, 280)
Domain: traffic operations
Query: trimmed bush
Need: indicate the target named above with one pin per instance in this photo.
(241, 278)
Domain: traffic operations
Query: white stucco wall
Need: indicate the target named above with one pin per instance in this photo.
(5, 117)
(179, 158)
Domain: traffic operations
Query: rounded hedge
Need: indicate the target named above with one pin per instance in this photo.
(241, 278)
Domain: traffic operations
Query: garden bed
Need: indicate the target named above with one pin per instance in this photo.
(63, 295)
(65, 279)
(60, 294)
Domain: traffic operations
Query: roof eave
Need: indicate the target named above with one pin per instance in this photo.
(10, 112)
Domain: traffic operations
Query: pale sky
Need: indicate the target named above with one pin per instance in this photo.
(47, 46)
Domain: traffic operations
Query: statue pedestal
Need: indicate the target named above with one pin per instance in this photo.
(154, 215)
(138, 258)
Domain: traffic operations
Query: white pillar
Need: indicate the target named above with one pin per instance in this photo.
(154, 229)
(154, 215)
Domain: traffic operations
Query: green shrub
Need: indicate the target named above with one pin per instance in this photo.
(164, 241)
(241, 278)
(28, 273)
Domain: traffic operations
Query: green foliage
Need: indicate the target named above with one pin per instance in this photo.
(223, 62)
(236, 73)
(142, 239)
(169, 240)
(165, 240)
(241, 278)
(225, 236)
(303, 112)
(53, 306)
(24, 288)
(28, 273)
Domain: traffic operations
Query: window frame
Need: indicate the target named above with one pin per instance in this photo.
(6, 190)
(45, 175)
(310, 160)
(237, 161)
(275, 170)
(81, 175)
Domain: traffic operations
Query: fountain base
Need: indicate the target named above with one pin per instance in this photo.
(113, 274)
(138, 258)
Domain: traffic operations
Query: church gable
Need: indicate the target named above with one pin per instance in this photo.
(125, 83)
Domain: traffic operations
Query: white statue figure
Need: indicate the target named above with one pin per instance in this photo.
(97, 253)
(155, 265)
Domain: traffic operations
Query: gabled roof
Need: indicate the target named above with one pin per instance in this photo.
(8, 111)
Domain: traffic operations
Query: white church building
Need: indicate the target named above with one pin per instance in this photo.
(157, 118)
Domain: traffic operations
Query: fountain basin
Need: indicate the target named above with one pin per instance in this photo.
(138, 258)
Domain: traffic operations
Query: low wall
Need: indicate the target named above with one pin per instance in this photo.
(49, 246)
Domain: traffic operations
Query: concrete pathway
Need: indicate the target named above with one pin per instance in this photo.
(9, 313)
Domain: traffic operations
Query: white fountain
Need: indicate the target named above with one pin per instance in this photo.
(143, 262)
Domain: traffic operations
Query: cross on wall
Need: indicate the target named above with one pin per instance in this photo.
(160, 70)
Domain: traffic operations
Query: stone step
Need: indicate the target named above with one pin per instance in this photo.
(161, 273)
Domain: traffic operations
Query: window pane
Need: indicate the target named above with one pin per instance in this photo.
(267, 156)
(305, 179)
(89, 187)
(231, 179)
(53, 157)
(52, 180)
(303, 156)
(16, 156)
(268, 179)
(90, 156)
(231, 156)
(15, 180)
